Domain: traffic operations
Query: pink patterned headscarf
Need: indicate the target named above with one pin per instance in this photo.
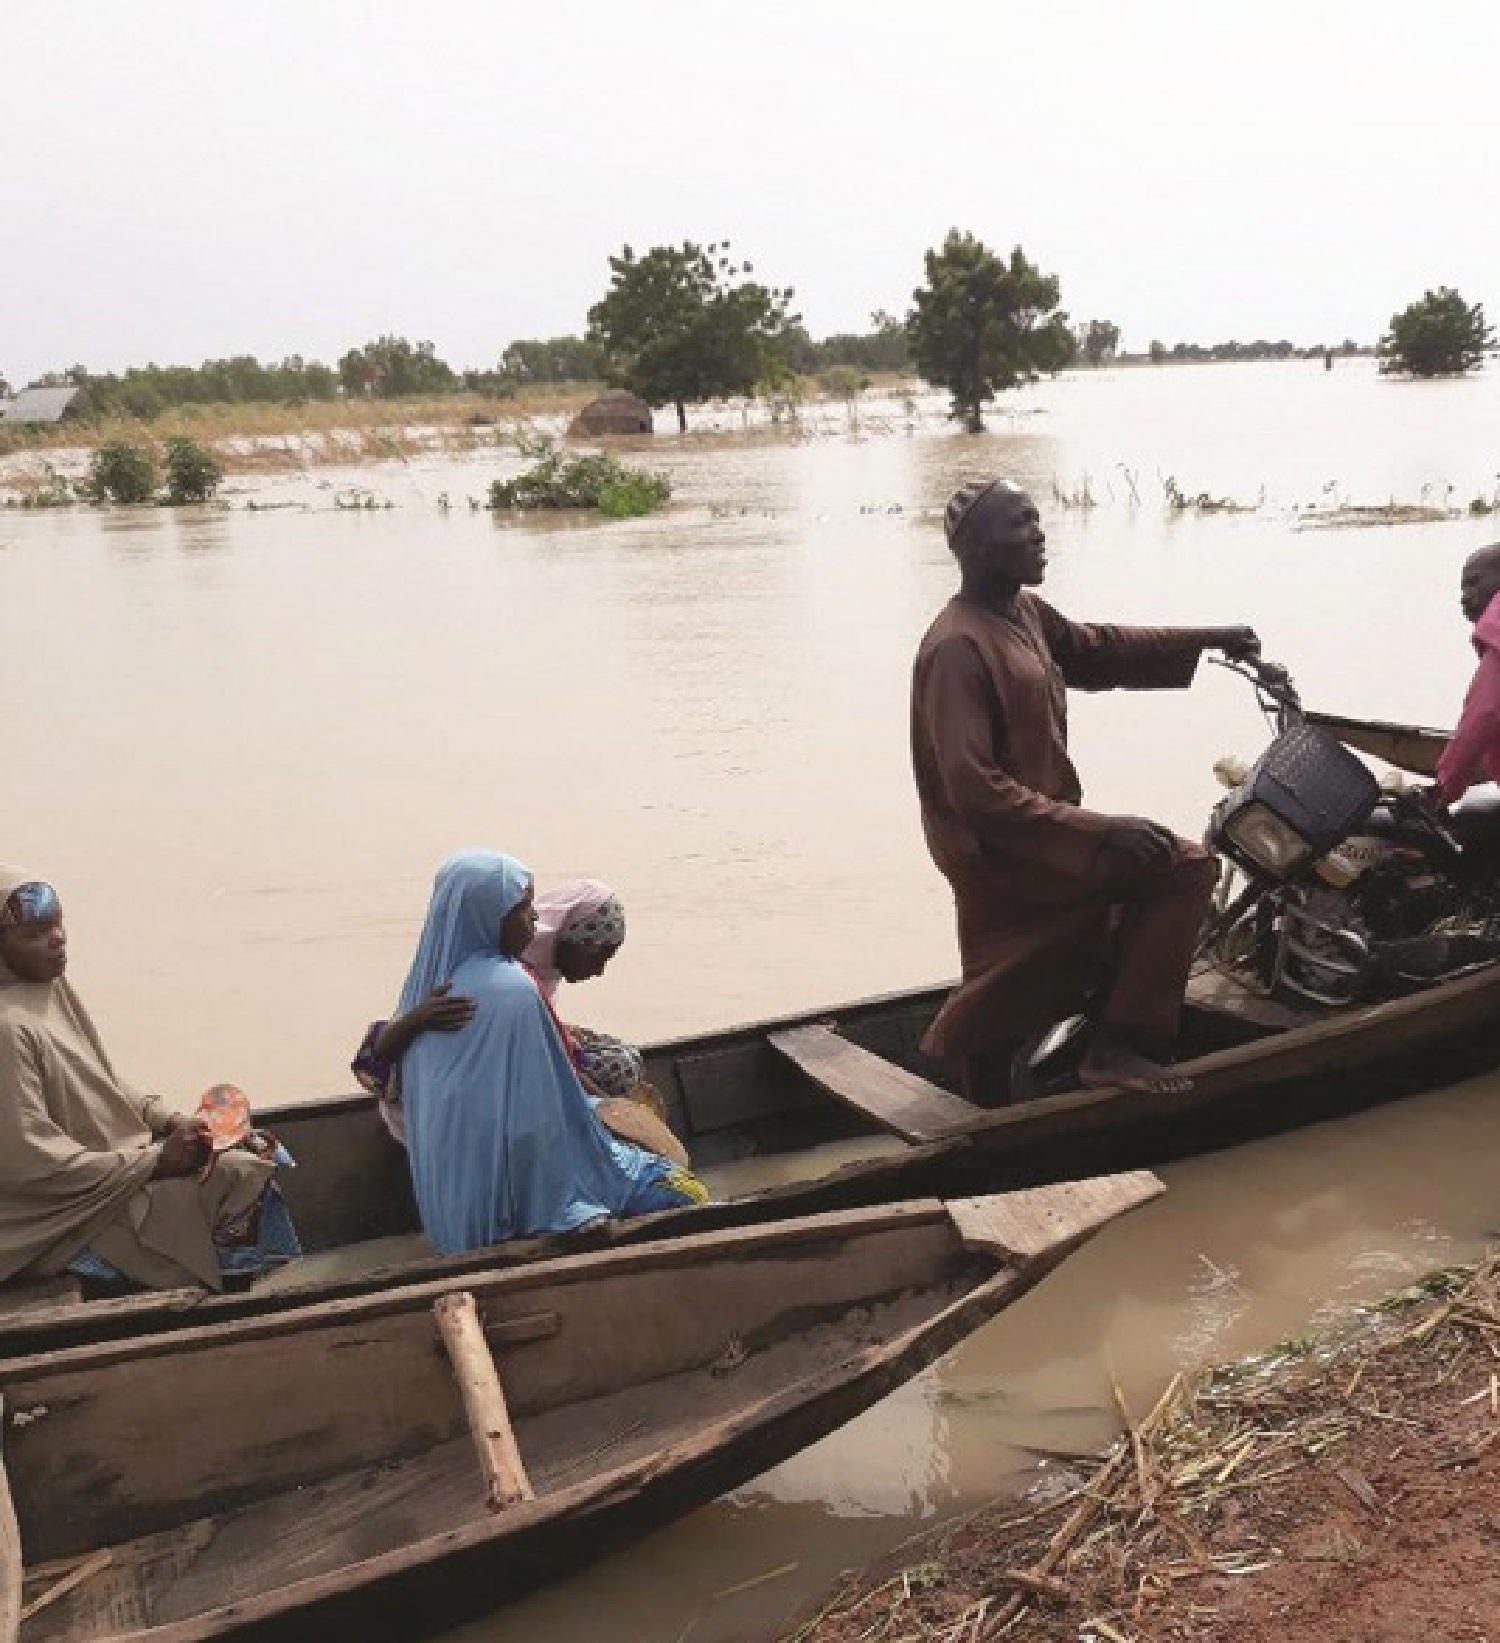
(580, 910)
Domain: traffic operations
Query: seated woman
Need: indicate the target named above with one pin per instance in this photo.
(95, 1177)
(504, 1139)
(580, 926)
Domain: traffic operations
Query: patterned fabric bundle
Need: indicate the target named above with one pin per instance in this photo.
(611, 1065)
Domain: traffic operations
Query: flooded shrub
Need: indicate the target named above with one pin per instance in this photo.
(121, 472)
(193, 473)
(599, 480)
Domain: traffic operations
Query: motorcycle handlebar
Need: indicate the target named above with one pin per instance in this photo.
(1272, 681)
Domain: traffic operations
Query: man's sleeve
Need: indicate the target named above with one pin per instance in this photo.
(1478, 732)
(958, 706)
(1104, 657)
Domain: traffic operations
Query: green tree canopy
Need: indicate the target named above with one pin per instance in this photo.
(981, 324)
(682, 324)
(552, 359)
(1442, 335)
(392, 368)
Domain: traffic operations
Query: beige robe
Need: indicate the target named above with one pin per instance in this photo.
(78, 1150)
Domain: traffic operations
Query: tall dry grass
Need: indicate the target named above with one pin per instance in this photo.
(261, 437)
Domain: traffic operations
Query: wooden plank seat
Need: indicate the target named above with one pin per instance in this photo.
(895, 1099)
(22, 1295)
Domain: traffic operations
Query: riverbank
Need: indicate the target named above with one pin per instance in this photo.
(1342, 1489)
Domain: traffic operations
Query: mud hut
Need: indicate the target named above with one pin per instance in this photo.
(617, 412)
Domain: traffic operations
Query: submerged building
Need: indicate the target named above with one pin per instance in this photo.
(43, 405)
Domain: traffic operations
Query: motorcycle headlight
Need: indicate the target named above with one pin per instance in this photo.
(1267, 840)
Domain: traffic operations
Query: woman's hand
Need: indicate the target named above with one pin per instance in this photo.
(187, 1148)
(442, 1011)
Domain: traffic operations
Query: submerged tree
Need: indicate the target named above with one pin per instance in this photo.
(982, 324)
(682, 324)
(1442, 335)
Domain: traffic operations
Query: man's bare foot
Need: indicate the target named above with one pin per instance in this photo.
(1110, 1064)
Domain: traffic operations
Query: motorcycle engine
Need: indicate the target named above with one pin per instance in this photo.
(1402, 896)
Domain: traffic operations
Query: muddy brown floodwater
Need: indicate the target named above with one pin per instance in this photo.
(241, 741)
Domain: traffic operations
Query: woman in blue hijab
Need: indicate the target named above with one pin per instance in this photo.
(503, 1138)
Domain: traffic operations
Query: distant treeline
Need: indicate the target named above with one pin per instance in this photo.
(1252, 350)
(394, 368)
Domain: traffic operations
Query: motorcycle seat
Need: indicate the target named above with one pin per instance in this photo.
(1473, 821)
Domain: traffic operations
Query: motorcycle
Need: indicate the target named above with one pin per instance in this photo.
(1335, 888)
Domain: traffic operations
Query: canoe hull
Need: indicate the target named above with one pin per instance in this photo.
(337, 1485)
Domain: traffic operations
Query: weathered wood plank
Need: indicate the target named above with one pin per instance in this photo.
(19, 1298)
(1409, 747)
(1028, 1225)
(506, 1483)
(895, 1099)
(11, 1562)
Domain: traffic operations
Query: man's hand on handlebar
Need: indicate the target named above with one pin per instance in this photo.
(1241, 644)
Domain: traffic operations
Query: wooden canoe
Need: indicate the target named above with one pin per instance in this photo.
(1412, 748)
(852, 1072)
(329, 1472)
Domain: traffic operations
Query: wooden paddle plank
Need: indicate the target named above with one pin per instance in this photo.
(506, 1483)
(1027, 1225)
(11, 1562)
(17, 1299)
(895, 1099)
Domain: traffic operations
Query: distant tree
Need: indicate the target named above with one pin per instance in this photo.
(882, 348)
(682, 324)
(1098, 340)
(553, 359)
(1158, 351)
(981, 324)
(6, 391)
(1442, 335)
(193, 473)
(393, 368)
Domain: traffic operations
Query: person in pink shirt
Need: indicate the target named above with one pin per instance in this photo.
(1473, 752)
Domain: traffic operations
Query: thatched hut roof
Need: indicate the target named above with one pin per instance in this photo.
(616, 412)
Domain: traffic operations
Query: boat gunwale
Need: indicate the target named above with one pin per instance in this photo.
(657, 1255)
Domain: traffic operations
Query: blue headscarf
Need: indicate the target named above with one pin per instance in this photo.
(502, 1136)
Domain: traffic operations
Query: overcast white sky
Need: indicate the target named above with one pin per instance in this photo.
(181, 179)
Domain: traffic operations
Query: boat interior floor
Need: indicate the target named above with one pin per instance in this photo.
(317, 1529)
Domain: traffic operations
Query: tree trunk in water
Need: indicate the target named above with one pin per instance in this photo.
(681, 417)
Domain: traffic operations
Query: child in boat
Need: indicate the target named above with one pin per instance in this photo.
(1473, 752)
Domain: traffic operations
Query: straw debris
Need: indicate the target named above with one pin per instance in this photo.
(1229, 1507)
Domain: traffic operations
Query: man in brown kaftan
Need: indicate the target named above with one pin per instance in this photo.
(1051, 898)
